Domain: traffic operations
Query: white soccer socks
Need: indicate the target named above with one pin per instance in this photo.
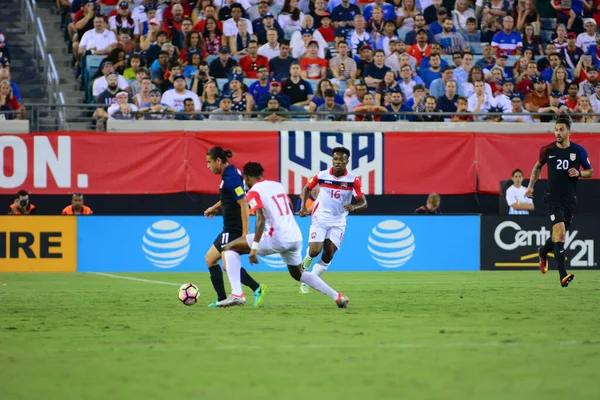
(233, 264)
(318, 284)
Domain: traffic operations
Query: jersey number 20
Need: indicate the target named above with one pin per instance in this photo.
(562, 164)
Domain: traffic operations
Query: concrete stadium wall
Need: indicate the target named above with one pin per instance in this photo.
(350, 126)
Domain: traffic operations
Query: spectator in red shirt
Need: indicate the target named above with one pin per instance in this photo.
(364, 111)
(185, 7)
(252, 60)
(572, 98)
(209, 11)
(327, 29)
(421, 49)
(313, 66)
(172, 25)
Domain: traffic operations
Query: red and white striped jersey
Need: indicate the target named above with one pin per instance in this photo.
(271, 196)
(335, 192)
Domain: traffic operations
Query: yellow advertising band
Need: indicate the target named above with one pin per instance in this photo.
(38, 243)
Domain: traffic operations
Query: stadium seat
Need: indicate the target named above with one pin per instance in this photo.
(106, 9)
(313, 84)
(477, 48)
(448, 58)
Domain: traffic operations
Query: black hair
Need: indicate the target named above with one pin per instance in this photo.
(253, 169)
(342, 150)
(564, 120)
(284, 41)
(329, 93)
(236, 5)
(22, 192)
(219, 152)
(515, 171)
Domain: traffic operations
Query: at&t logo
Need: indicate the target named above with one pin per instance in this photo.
(166, 244)
(391, 243)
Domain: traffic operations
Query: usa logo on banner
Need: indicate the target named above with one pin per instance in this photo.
(304, 153)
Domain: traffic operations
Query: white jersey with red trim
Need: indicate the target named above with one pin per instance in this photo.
(335, 192)
(271, 196)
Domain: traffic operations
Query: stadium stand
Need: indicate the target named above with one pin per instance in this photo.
(199, 39)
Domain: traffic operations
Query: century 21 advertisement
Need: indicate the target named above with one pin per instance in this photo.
(511, 243)
(38, 243)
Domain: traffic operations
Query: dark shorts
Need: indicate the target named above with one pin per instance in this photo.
(561, 210)
(560, 214)
(225, 237)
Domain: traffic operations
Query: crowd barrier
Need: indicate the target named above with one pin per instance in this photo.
(175, 243)
(371, 243)
(172, 162)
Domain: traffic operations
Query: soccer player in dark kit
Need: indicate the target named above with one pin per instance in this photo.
(236, 218)
(567, 162)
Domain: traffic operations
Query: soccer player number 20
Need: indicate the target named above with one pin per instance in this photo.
(562, 164)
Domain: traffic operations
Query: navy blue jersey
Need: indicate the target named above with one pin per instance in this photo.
(560, 185)
(230, 191)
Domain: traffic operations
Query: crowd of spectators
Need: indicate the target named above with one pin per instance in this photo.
(273, 58)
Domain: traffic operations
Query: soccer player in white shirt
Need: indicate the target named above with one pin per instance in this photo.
(515, 196)
(338, 185)
(276, 232)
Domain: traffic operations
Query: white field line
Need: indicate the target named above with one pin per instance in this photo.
(130, 278)
(499, 283)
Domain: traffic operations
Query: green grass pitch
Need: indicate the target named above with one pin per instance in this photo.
(479, 335)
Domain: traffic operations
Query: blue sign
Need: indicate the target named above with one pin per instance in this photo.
(371, 243)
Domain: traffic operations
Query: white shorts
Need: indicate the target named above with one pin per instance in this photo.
(318, 233)
(291, 253)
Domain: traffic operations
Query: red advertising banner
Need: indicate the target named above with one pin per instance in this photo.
(96, 163)
(498, 155)
(155, 163)
(262, 147)
(426, 162)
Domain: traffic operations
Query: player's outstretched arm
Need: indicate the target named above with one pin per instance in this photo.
(305, 195)
(535, 175)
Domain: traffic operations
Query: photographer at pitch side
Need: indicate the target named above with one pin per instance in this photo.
(22, 206)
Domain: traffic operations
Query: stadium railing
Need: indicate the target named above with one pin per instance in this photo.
(47, 67)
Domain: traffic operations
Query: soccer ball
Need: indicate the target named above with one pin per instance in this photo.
(188, 294)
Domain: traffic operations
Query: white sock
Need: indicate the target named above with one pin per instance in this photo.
(320, 268)
(233, 263)
(318, 284)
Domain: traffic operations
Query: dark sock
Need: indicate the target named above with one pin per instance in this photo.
(559, 256)
(248, 280)
(547, 247)
(216, 277)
